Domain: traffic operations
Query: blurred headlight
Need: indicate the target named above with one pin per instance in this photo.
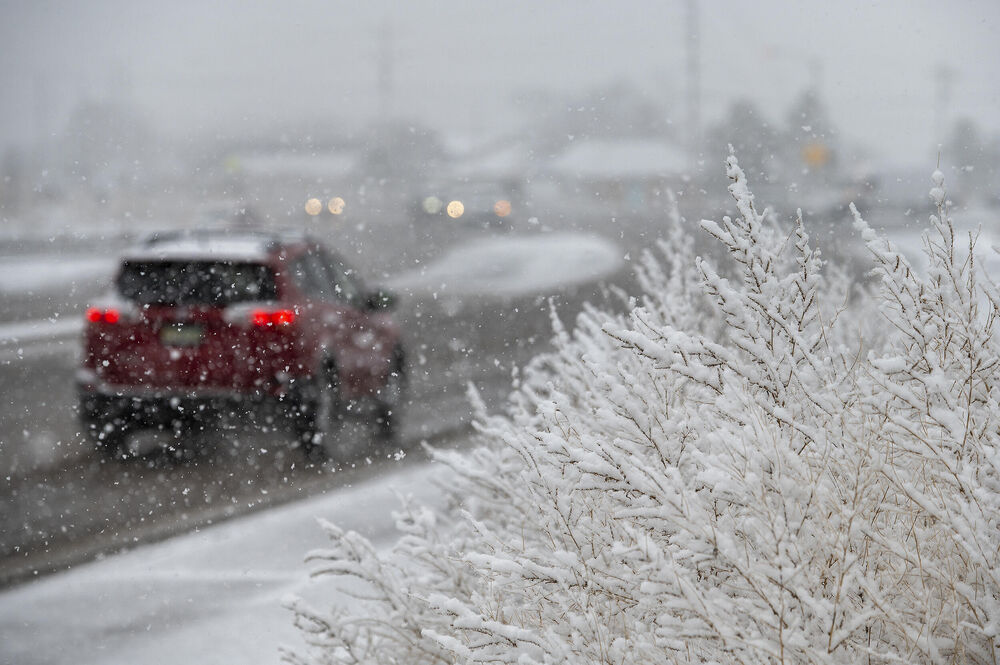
(314, 207)
(501, 208)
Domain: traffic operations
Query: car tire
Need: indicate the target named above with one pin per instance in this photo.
(105, 428)
(321, 417)
(391, 399)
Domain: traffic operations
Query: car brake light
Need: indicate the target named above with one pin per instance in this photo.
(109, 315)
(278, 317)
(284, 317)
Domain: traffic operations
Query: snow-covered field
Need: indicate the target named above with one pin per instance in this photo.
(212, 596)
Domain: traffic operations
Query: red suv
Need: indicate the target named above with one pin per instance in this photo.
(198, 322)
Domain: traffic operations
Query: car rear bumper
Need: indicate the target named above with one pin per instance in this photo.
(101, 400)
(88, 382)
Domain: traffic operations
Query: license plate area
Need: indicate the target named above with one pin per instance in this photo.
(182, 334)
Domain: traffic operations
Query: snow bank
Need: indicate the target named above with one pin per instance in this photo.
(515, 266)
(212, 596)
(21, 275)
(29, 331)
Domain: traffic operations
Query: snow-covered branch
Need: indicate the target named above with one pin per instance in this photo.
(727, 473)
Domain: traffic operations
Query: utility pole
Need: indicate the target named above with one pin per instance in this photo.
(693, 77)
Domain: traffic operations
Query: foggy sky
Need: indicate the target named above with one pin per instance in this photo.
(197, 68)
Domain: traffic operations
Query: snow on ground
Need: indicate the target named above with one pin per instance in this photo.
(513, 266)
(910, 243)
(211, 596)
(51, 272)
(27, 331)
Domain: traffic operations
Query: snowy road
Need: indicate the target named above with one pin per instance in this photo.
(38, 356)
(60, 503)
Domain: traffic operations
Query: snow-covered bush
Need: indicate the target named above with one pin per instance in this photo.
(733, 472)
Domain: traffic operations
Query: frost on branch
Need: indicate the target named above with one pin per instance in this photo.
(729, 473)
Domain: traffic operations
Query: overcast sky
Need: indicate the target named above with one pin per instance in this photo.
(229, 66)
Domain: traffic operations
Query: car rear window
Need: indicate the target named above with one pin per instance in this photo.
(195, 282)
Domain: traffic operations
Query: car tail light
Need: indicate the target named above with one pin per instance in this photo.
(284, 317)
(105, 315)
(275, 317)
(259, 315)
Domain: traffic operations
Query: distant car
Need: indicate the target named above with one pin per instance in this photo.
(469, 204)
(205, 321)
